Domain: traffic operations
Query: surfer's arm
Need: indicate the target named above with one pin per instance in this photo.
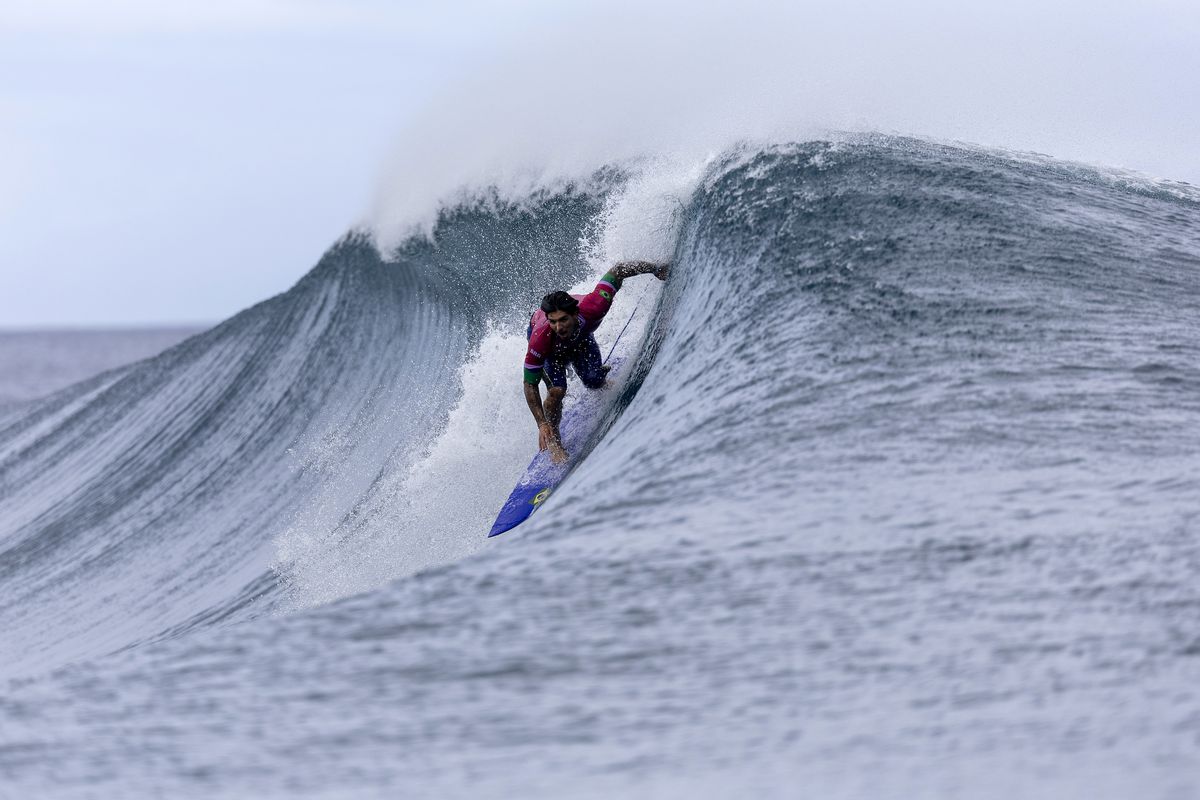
(533, 398)
(544, 414)
(547, 418)
(627, 269)
(595, 305)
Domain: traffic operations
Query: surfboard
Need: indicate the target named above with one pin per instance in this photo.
(579, 424)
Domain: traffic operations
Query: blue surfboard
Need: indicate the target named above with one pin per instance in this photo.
(542, 477)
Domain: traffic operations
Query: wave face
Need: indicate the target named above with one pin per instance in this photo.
(146, 502)
(898, 491)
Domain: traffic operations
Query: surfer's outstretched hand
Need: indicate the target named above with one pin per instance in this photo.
(663, 270)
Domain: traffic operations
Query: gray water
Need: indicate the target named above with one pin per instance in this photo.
(35, 363)
(896, 498)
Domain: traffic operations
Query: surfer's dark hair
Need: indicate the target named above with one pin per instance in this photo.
(559, 301)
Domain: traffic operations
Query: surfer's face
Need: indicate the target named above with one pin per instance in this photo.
(562, 323)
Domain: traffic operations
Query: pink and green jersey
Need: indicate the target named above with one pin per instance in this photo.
(544, 343)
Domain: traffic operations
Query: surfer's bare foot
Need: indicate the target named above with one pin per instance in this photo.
(548, 440)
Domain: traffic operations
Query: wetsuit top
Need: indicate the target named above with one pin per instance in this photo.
(544, 342)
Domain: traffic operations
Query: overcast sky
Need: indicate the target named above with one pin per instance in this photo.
(165, 163)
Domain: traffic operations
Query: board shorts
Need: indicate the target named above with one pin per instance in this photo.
(585, 359)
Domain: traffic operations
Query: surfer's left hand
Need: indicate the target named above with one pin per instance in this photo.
(663, 270)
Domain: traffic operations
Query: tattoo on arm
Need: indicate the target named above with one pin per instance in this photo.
(627, 269)
(533, 398)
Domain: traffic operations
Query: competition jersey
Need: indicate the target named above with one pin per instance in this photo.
(544, 342)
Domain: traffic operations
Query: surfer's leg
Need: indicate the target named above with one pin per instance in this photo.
(552, 405)
(555, 374)
(589, 365)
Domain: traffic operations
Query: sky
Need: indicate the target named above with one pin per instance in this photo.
(176, 163)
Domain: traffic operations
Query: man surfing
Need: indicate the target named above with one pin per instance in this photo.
(560, 333)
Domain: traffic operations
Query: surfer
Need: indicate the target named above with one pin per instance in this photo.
(560, 333)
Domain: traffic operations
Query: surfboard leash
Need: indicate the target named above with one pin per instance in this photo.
(622, 333)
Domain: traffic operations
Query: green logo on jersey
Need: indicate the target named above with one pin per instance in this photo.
(605, 295)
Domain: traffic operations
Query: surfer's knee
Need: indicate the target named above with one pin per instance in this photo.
(595, 378)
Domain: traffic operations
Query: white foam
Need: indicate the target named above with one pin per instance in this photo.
(439, 506)
(641, 220)
(435, 509)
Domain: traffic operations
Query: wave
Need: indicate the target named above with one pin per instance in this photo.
(842, 313)
(145, 501)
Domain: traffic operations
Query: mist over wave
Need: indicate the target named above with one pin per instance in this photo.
(605, 83)
(899, 482)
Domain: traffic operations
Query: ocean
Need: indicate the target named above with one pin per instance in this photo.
(897, 496)
(35, 363)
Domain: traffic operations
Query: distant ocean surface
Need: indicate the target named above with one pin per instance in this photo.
(34, 363)
(899, 497)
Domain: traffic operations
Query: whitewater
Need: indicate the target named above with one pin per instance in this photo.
(896, 497)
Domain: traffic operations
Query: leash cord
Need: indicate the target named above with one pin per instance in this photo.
(622, 333)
